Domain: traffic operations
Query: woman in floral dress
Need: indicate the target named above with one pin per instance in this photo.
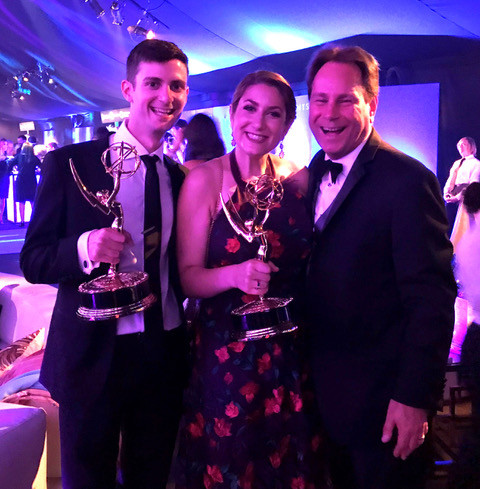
(245, 423)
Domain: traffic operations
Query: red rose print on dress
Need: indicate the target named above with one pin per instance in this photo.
(246, 480)
(297, 402)
(279, 394)
(264, 363)
(228, 379)
(222, 354)
(231, 410)
(196, 428)
(212, 476)
(284, 443)
(275, 460)
(233, 245)
(276, 248)
(237, 346)
(222, 427)
(315, 443)
(298, 483)
(272, 406)
(249, 390)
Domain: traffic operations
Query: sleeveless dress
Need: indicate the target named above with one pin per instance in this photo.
(245, 423)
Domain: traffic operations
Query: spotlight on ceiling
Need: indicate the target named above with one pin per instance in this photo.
(116, 10)
(18, 94)
(96, 7)
(140, 31)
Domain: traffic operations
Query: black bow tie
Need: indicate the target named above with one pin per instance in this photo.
(334, 168)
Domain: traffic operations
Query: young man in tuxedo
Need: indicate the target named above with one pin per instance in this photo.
(380, 285)
(116, 379)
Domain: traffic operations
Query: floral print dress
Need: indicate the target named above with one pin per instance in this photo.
(246, 424)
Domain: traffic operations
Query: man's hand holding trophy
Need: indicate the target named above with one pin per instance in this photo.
(115, 294)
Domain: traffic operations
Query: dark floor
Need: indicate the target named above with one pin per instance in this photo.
(448, 432)
(11, 241)
(9, 263)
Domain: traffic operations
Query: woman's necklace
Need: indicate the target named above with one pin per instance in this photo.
(234, 168)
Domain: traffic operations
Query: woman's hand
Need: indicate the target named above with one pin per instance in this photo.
(253, 276)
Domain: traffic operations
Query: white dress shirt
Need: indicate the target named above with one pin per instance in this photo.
(132, 197)
(468, 266)
(468, 172)
(327, 190)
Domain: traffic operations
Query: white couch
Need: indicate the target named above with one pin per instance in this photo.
(25, 307)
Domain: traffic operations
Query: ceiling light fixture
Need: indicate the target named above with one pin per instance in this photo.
(140, 31)
(116, 10)
(19, 91)
(40, 72)
(96, 7)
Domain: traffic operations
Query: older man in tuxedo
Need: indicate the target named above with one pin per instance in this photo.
(116, 377)
(380, 285)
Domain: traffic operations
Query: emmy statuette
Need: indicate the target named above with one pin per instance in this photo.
(115, 294)
(267, 316)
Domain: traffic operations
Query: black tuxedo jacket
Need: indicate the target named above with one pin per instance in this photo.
(380, 292)
(78, 353)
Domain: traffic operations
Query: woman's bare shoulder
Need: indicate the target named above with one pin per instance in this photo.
(206, 173)
(296, 174)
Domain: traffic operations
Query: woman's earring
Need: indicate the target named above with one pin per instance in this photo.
(233, 141)
(282, 153)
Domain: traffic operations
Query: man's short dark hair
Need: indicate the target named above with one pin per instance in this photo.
(471, 198)
(22, 136)
(355, 55)
(180, 124)
(153, 50)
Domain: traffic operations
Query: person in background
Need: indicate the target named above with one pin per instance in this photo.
(463, 172)
(10, 148)
(4, 176)
(466, 473)
(245, 422)
(32, 140)
(380, 289)
(20, 142)
(203, 141)
(52, 146)
(176, 142)
(116, 379)
(26, 164)
(102, 132)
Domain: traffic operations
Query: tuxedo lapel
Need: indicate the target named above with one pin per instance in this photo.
(354, 176)
(316, 171)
